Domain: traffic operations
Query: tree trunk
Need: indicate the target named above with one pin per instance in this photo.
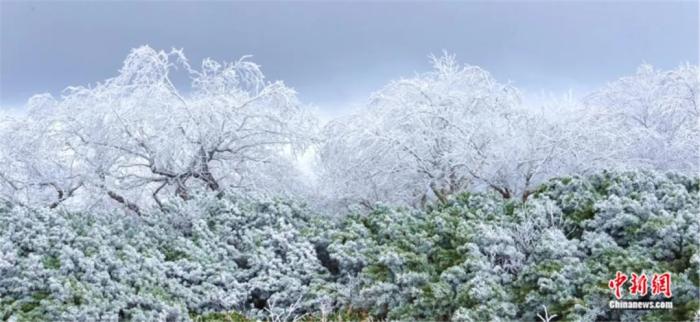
(438, 193)
(118, 198)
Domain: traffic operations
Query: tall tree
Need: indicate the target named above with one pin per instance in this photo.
(439, 133)
(136, 138)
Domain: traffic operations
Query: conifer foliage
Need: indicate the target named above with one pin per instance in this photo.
(477, 257)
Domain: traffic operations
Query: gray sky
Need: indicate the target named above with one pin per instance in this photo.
(336, 54)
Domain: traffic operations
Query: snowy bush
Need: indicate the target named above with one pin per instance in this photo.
(205, 255)
(480, 257)
(476, 257)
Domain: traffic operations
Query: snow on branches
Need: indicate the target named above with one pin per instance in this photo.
(456, 128)
(137, 139)
(141, 139)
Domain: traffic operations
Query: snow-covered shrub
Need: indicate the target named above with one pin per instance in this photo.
(204, 255)
(476, 257)
(409, 264)
(640, 222)
(480, 257)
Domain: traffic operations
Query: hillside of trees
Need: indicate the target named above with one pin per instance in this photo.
(446, 197)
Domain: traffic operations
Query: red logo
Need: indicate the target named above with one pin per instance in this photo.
(660, 284)
(639, 284)
(616, 283)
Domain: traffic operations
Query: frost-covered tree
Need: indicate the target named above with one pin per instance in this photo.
(456, 128)
(653, 118)
(137, 139)
(439, 133)
(35, 165)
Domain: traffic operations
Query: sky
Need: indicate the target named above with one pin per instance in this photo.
(335, 54)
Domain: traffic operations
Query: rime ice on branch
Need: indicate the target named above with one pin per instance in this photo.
(137, 139)
(457, 128)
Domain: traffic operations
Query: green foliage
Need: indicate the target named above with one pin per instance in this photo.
(221, 317)
(51, 262)
(205, 255)
(475, 258)
(483, 258)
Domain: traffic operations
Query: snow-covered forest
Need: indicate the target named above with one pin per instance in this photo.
(447, 197)
(137, 141)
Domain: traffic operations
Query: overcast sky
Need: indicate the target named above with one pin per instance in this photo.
(336, 54)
